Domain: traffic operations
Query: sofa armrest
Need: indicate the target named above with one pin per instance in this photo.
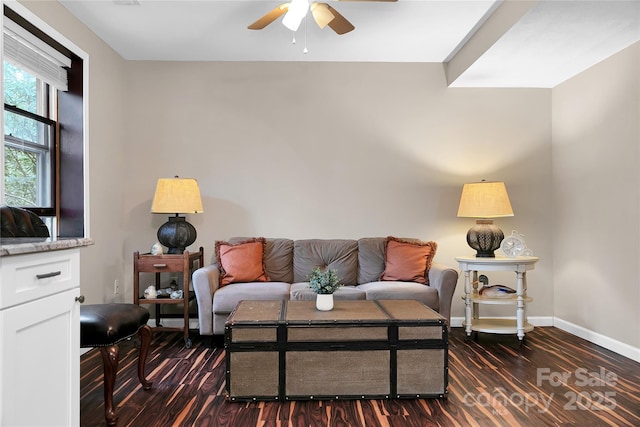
(444, 279)
(205, 283)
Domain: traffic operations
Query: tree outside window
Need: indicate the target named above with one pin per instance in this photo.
(28, 140)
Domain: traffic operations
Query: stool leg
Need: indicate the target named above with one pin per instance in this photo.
(145, 341)
(110, 358)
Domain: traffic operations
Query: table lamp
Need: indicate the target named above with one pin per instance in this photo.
(177, 196)
(484, 200)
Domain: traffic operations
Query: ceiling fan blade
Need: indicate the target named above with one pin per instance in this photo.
(321, 14)
(339, 23)
(269, 17)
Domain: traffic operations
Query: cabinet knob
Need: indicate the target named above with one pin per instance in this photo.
(80, 299)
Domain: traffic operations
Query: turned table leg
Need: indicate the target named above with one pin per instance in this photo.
(520, 317)
(467, 302)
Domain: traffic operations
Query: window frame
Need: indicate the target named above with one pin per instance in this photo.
(71, 218)
(50, 177)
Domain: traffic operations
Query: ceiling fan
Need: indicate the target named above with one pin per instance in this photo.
(295, 11)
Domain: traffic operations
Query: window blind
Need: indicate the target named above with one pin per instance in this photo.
(27, 51)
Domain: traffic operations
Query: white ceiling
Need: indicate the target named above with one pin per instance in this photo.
(545, 43)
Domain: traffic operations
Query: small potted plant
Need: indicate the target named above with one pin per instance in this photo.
(324, 282)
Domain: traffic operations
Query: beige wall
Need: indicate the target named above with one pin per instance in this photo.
(337, 150)
(305, 150)
(102, 263)
(348, 150)
(596, 167)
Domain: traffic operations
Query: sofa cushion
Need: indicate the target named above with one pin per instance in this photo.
(402, 290)
(241, 262)
(371, 258)
(302, 292)
(408, 260)
(339, 255)
(278, 258)
(227, 298)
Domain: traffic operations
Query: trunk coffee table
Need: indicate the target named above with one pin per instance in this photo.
(288, 350)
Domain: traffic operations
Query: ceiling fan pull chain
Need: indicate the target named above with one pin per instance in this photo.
(305, 50)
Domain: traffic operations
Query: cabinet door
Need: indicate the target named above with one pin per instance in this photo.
(40, 362)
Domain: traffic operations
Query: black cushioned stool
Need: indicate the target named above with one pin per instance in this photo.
(104, 326)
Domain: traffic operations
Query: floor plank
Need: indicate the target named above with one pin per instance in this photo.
(555, 378)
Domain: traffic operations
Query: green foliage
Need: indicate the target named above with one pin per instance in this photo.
(20, 165)
(324, 281)
(20, 178)
(20, 88)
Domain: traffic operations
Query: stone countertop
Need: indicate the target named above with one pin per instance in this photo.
(26, 245)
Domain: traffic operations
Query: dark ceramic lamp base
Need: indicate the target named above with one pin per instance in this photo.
(176, 234)
(485, 238)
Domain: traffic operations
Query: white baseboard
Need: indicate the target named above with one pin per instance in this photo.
(456, 322)
(621, 348)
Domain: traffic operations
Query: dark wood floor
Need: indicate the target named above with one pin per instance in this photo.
(554, 379)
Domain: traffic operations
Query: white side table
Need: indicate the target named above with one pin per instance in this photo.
(470, 265)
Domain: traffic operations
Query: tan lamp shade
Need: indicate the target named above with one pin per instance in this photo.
(177, 195)
(484, 200)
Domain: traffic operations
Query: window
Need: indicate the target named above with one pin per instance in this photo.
(29, 141)
(43, 120)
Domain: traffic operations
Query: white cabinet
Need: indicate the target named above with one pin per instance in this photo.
(473, 321)
(40, 342)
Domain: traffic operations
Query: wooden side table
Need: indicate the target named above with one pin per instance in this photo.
(176, 263)
(473, 322)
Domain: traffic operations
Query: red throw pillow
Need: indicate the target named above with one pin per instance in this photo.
(407, 261)
(241, 262)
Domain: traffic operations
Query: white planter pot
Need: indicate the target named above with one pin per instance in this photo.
(324, 302)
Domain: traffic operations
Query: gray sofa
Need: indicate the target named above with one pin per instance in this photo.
(359, 264)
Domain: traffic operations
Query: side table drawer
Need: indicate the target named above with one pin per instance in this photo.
(32, 276)
(158, 264)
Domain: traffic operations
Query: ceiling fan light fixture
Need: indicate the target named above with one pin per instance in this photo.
(321, 14)
(296, 13)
